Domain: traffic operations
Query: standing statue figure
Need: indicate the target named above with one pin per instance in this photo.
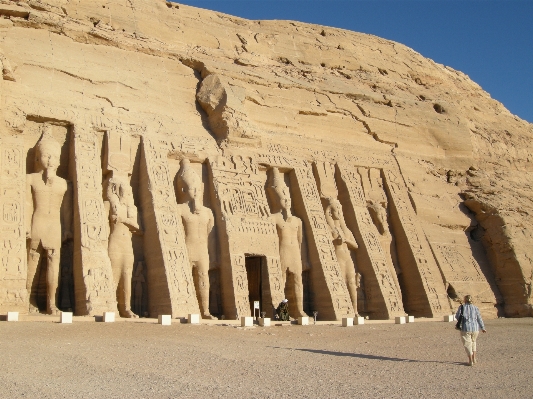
(123, 220)
(378, 212)
(198, 223)
(289, 229)
(343, 241)
(49, 201)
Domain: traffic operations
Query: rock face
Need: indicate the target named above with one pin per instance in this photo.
(312, 148)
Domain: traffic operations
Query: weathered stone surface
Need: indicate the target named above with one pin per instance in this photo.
(433, 176)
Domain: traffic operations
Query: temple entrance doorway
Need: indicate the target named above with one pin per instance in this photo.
(254, 266)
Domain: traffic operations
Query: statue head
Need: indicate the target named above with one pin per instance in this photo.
(48, 150)
(281, 190)
(119, 187)
(189, 183)
(336, 208)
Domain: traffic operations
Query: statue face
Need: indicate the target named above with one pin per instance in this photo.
(193, 189)
(49, 158)
(284, 197)
(336, 210)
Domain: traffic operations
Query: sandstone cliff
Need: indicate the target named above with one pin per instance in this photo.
(223, 86)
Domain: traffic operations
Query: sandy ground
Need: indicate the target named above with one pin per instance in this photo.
(100, 360)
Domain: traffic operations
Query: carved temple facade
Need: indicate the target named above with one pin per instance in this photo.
(399, 271)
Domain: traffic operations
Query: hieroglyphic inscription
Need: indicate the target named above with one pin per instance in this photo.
(240, 285)
(425, 263)
(13, 295)
(322, 237)
(275, 280)
(382, 273)
(175, 267)
(240, 191)
(91, 229)
(457, 265)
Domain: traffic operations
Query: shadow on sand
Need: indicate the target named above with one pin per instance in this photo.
(371, 357)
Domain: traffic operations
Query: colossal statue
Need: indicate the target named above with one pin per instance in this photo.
(344, 241)
(49, 201)
(198, 223)
(289, 228)
(123, 221)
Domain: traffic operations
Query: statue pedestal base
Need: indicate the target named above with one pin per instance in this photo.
(109, 317)
(264, 322)
(347, 321)
(12, 316)
(65, 318)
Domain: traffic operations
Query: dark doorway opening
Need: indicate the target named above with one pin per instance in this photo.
(254, 266)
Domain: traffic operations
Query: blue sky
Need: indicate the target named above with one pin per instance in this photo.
(491, 41)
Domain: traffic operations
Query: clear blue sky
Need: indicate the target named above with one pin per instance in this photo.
(491, 41)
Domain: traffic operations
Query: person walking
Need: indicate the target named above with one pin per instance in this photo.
(470, 326)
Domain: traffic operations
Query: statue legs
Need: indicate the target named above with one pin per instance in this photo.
(122, 265)
(52, 278)
(201, 272)
(52, 281)
(352, 286)
(297, 287)
(33, 263)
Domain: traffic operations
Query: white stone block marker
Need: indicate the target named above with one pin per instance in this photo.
(164, 319)
(65, 318)
(109, 317)
(12, 316)
(193, 318)
(410, 319)
(264, 322)
(448, 318)
(247, 321)
(359, 320)
(303, 320)
(400, 320)
(347, 321)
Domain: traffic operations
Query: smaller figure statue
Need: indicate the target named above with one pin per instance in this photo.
(343, 241)
(49, 201)
(378, 212)
(198, 222)
(123, 220)
(282, 312)
(289, 229)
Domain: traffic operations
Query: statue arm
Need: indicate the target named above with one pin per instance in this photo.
(66, 212)
(349, 239)
(29, 205)
(331, 224)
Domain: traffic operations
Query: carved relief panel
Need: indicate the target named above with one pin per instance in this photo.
(13, 293)
(383, 295)
(427, 298)
(339, 303)
(245, 227)
(170, 282)
(93, 277)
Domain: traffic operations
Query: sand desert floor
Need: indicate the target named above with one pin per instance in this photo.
(145, 360)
